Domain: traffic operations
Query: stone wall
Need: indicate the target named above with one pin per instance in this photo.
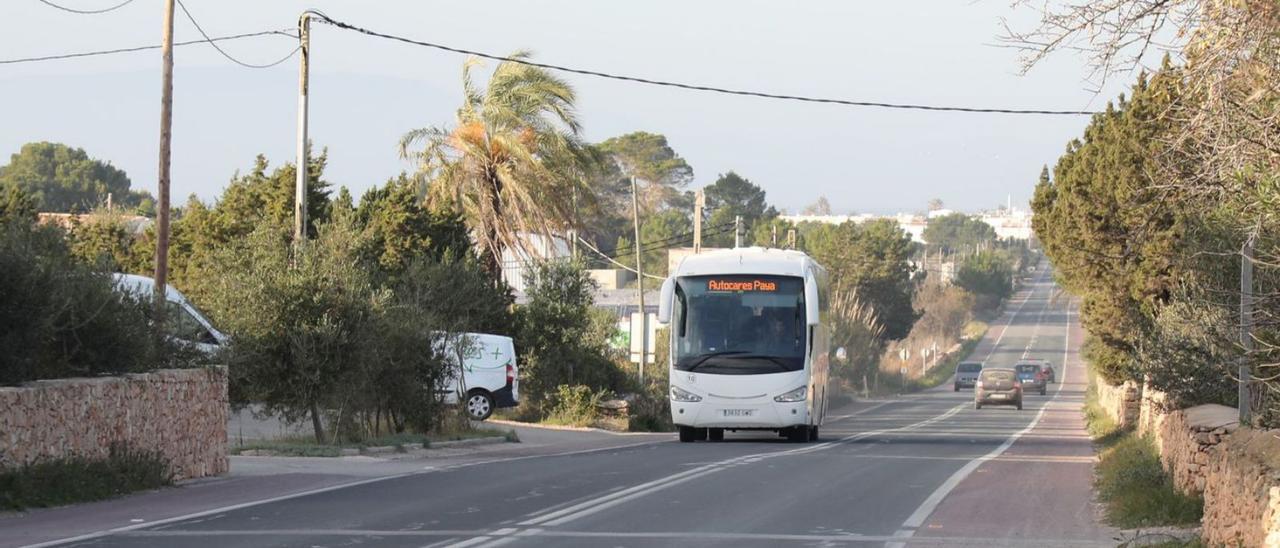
(1236, 470)
(179, 413)
(1242, 491)
(1121, 402)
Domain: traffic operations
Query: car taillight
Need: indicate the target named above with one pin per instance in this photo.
(1017, 386)
(511, 374)
(977, 384)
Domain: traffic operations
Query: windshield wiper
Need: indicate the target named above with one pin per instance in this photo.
(703, 358)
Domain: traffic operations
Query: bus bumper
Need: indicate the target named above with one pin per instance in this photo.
(738, 415)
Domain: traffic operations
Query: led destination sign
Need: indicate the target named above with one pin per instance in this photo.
(742, 285)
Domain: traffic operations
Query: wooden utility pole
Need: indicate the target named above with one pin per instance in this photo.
(699, 202)
(644, 317)
(303, 158)
(1246, 329)
(166, 134)
(737, 231)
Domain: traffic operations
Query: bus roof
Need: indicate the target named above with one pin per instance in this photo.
(747, 260)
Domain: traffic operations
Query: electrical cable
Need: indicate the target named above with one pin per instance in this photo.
(86, 12)
(142, 48)
(612, 260)
(696, 87)
(621, 250)
(228, 55)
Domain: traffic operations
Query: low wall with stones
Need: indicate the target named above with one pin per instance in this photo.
(1120, 401)
(1207, 453)
(179, 413)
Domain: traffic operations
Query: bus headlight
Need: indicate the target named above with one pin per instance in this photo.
(792, 396)
(682, 395)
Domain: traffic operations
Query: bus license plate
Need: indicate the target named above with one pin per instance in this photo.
(738, 412)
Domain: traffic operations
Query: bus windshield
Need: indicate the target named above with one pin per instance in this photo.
(739, 324)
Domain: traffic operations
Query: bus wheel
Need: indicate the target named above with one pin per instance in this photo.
(813, 433)
(687, 433)
(715, 434)
(798, 434)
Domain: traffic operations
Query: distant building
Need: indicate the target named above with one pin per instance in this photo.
(611, 278)
(133, 224)
(516, 263)
(911, 224)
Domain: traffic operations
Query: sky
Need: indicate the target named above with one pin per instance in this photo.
(367, 92)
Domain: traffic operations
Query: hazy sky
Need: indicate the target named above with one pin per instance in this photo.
(367, 92)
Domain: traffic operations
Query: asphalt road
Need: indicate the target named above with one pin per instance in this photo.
(923, 470)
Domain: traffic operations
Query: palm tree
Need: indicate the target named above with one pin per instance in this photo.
(512, 163)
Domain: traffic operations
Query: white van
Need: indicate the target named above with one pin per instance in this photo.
(488, 374)
(186, 324)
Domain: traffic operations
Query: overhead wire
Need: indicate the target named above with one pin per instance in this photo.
(228, 55)
(615, 262)
(86, 12)
(143, 48)
(694, 87)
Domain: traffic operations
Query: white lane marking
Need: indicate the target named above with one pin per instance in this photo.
(598, 504)
(917, 518)
(844, 537)
(1000, 337)
(250, 504)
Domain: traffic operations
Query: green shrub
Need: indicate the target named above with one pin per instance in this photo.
(560, 339)
(59, 317)
(1129, 480)
(76, 479)
(1136, 489)
(651, 409)
(575, 405)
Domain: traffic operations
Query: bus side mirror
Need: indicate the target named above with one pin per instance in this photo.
(665, 298)
(812, 308)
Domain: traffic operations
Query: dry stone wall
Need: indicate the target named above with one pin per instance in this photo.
(1121, 401)
(179, 413)
(1236, 470)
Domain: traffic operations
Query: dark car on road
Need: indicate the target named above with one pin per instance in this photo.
(997, 386)
(967, 375)
(1031, 377)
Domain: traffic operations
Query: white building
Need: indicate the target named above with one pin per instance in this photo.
(516, 263)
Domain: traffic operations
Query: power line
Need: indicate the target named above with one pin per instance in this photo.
(142, 48)
(614, 261)
(228, 55)
(626, 249)
(697, 87)
(86, 12)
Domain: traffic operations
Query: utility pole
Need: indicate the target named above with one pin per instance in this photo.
(644, 317)
(303, 158)
(1246, 328)
(774, 235)
(699, 202)
(166, 135)
(737, 231)
(791, 238)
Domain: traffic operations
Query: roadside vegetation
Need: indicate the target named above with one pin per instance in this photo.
(1129, 479)
(306, 446)
(1148, 214)
(71, 480)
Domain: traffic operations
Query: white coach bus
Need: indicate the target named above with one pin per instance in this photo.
(749, 343)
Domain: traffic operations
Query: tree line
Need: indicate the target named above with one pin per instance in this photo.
(1147, 216)
(336, 329)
